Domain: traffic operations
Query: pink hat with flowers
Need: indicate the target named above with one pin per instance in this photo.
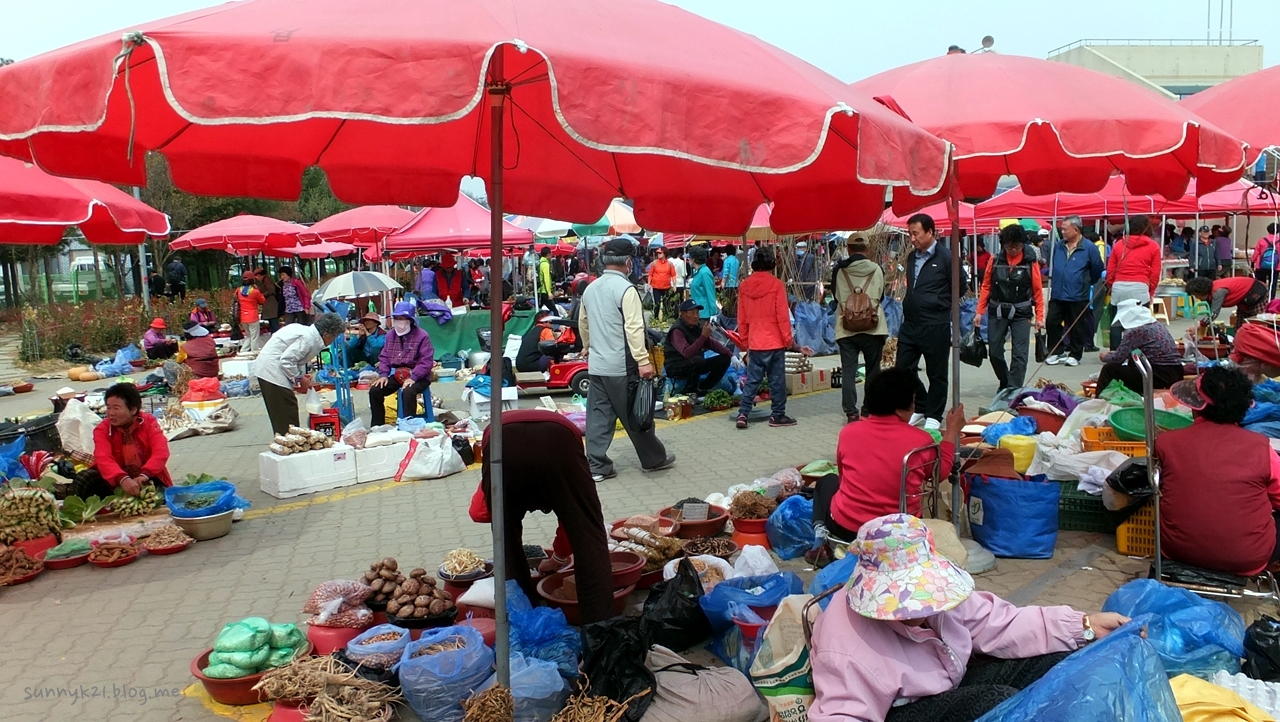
(900, 574)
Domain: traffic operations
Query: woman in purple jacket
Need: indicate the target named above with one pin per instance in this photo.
(408, 347)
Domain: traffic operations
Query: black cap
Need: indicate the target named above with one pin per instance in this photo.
(1204, 229)
(617, 247)
(690, 305)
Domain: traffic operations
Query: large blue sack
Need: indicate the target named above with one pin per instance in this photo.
(968, 309)
(1193, 635)
(1117, 679)
(1014, 518)
(833, 574)
(892, 309)
(790, 527)
(10, 466)
(763, 591)
(537, 689)
(434, 685)
(810, 325)
(542, 633)
(1017, 426)
(222, 494)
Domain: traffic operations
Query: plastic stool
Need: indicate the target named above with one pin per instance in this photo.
(1159, 310)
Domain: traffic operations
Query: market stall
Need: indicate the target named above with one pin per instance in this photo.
(453, 338)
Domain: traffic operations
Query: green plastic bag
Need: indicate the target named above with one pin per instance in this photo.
(226, 671)
(246, 635)
(286, 635)
(1118, 394)
(248, 660)
(821, 467)
(280, 657)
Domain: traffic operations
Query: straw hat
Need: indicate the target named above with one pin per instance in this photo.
(900, 574)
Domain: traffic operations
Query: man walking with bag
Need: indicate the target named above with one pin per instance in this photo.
(861, 328)
(613, 340)
(1011, 291)
(1077, 266)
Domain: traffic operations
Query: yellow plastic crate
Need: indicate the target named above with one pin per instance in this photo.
(1137, 536)
(1103, 438)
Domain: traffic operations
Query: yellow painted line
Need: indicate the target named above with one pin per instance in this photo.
(247, 713)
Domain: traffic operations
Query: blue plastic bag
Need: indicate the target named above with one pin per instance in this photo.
(536, 687)
(1017, 426)
(10, 467)
(434, 685)
(237, 388)
(119, 366)
(968, 309)
(358, 651)
(790, 527)
(892, 308)
(810, 326)
(758, 592)
(1117, 679)
(542, 633)
(1015, 518)
(835, 573)
(224, 493)
(733, 646)
(1193, 635)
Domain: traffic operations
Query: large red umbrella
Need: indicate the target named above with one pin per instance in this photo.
(967, 217)
(36, 207)
(243, 235)
(466, 224)
(697, 124)
(363, 226)
(323, 249)
(1244, 107)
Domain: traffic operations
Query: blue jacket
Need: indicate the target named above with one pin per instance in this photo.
(1074, 274)
(702, 289)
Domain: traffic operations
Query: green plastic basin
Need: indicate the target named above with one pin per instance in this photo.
(1130, 424)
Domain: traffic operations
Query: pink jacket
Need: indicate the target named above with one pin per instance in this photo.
(861, 665)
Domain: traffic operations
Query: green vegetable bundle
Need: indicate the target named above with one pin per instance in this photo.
(253, 645)
(28, 513)
(146, 500)
(717, 398)
(67, 549)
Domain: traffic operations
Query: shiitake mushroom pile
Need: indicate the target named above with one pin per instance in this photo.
(383, 577)
(418, 597)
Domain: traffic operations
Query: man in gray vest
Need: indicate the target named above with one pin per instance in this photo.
(613, 339)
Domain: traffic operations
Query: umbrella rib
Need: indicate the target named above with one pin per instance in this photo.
(173, 137)
(551, 135)
(329, 142)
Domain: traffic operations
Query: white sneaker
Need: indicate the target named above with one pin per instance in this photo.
(932, 424)
(1071, 361)
(917, 419)
(1053, 360)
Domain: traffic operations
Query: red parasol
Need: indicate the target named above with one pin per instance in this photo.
(363, 226)
(463, 225)
(36, 207)
(1244, 107)
(323, 249)
(1031, 118)
(939, 210)
(1114, 201)
(243, 235)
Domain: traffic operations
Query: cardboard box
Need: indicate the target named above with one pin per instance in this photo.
(480, 404)
(379, 462)
(306, 473)
(821, 379)
(798, 383)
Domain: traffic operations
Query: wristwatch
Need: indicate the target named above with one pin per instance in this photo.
(1089, 634)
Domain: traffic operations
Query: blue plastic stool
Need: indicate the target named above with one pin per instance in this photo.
(428, 416)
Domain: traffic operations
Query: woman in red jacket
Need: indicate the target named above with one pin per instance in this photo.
(129, 449)
(764, 325)
(1133, 270)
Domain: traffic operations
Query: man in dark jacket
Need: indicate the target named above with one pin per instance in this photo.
(926, 317)
(685, 352)
(176, 274)
(1077, 266)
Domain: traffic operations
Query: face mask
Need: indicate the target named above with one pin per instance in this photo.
(800, 253)
(401, 326)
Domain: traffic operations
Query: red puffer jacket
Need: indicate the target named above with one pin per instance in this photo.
(764, 321)
(1134, 259)
(153, 450)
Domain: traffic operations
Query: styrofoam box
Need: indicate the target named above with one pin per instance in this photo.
(308, 472)
(379, 462)
(237, 367)
(480, 404)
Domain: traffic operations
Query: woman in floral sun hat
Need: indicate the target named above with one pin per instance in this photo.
(909, 639)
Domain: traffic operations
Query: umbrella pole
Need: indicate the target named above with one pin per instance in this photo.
(498, 91)
(953, 210)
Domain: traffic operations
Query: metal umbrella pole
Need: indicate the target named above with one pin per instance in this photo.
(953, 210)
(499, 90)
(1149, 417)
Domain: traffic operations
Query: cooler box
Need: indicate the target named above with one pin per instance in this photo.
(379, 462)
(480, 404)
(306, 473)
(237, 367)
(200, 410)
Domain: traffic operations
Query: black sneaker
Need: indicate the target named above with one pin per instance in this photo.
(741, 423)
(1092, 349)
(850, 418)
(783, 420)
(666, 464)
(597, 478)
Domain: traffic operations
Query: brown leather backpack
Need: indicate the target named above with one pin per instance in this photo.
(860, 312)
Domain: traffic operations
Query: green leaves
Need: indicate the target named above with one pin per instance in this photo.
(192, 479)
(81, 511)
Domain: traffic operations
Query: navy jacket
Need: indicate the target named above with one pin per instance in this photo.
(1074, 276)
(928, 299)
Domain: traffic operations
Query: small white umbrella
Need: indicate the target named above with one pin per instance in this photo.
(356, 283)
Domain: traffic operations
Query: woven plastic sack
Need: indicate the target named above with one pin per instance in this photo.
(435, 684)
(245, 635)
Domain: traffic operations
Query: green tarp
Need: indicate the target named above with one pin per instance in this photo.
(459, 334)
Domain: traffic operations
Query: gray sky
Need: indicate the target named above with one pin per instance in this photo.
(850, 39)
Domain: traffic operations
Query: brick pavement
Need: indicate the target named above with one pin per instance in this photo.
(141, 625)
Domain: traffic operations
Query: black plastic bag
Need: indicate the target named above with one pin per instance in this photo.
(973, 349)
(1042, 352)
(642, 404)
(464, 449)
(1262, 650)
(613, 653)
(673, 615)
(1131, 478)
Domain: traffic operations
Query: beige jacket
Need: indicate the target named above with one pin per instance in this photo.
(867, 274)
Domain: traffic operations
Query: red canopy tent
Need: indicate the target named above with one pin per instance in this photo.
(968, 220)
(461, 226)
(37, 208)
(323, 249)
(1114, 201)
(363, 226)
(243, 235)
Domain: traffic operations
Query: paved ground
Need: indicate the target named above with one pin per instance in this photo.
(135, 629)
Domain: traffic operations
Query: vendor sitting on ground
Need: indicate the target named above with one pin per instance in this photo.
(155, 343)
(1142, 332)
(407, 348)
(129, 449)
(1219, 484)
(545, 343)
(545, 469)
(869, 456)
(198, 351)
(908, 639)
(685, 352)
(366, 345)
(203, 315)
(1247, 294)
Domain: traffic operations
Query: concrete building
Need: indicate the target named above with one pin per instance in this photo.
(1174, 68)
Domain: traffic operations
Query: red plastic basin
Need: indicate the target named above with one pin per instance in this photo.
(750, 526)
(235, 692)
(487, 627)
(328, 639)
(694, 529)
(550, 584)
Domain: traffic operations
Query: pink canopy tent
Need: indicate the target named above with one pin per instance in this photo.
(324, 249)
(363, 226)
(37, 208)
(1114, 202)
(939, 212)
(244, 234)
(461, 226)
